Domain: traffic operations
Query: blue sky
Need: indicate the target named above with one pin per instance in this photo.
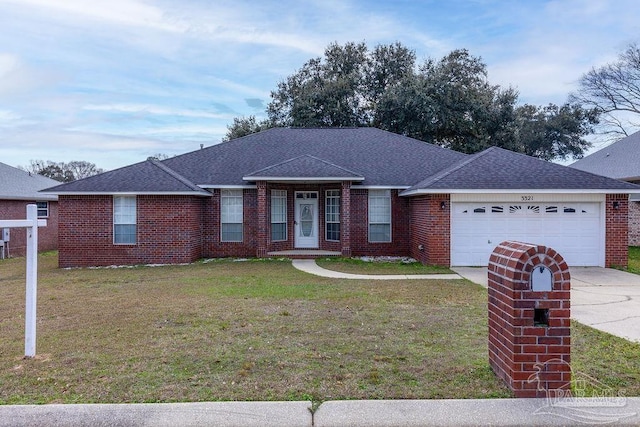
(113, 82)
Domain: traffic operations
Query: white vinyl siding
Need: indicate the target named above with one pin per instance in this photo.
(124, 220)
(379, 216)
(278, 215)
(332, 215)
(231, 216)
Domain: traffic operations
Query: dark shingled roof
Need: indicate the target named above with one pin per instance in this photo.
(305, 167)
(499, 169)
(381, 158)
(620, 160)
(149, 176)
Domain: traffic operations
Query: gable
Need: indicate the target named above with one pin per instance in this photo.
(304, 168)
(499, 169)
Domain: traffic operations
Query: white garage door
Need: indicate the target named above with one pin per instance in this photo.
(573, 229)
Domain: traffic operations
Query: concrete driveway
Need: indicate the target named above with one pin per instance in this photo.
(602, 298)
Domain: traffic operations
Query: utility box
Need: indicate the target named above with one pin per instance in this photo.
(529, 319)
(6, 235)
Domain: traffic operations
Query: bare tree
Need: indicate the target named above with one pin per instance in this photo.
(614, 90)
(61, 171)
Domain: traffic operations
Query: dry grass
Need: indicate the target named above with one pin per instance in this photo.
(257, 330)
(239, 331)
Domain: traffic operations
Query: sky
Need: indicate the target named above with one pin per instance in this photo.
(114, 82)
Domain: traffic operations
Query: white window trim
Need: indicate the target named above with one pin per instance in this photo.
(369, 222)
(232, 193)
(326, 220)
(135, 220)
(283, 195)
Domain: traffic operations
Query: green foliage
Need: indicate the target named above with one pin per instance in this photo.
(244, 126)
(554, 132)
(449, 102)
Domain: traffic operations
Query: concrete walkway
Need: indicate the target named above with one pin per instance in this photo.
(353, 413)
(310, 266)
(603, 298)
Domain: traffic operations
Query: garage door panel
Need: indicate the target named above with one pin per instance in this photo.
(575, 230)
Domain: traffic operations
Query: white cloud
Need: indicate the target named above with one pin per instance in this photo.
(154, 109)
(122, 12)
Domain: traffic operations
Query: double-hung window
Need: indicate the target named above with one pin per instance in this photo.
(231, 216)
(379, 216)
(43, 209)
(124, 220)
(278, 215)
(332, 215)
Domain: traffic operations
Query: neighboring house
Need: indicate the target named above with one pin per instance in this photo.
(339, 191)
(18, 189)
(620, 160)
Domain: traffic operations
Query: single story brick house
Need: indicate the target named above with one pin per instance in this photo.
(18, 189)
(340, 191)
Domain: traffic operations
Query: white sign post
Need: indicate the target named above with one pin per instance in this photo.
(31, 224)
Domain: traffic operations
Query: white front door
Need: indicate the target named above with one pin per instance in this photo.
(306, 219)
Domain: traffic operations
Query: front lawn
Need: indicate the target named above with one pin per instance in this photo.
(255, 330)
(634, 259)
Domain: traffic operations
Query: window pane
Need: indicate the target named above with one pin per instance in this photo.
(278, 232)
(232, 232)
(124, 234)
(379, 232)
(124, 219)
(379, 215)
(333, 232)
(43, 209)
(278, 215)
(332, 215)
(231, 215)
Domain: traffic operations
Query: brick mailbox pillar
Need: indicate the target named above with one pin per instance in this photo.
(529, 315)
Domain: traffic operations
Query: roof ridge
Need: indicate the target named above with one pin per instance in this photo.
(332, 164)
(300, 157)
(175, 174)
(451, 169)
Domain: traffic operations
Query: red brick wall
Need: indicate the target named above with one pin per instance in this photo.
(400, 216)
(47, 236)
(634, 223)
(168, 231)
(616, 230)
(518, 349)
(213, 247)
(430, 227)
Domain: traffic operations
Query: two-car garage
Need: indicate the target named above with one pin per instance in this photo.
(573, 226)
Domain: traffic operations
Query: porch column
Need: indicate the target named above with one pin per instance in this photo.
(262, 219)
(345, 218)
